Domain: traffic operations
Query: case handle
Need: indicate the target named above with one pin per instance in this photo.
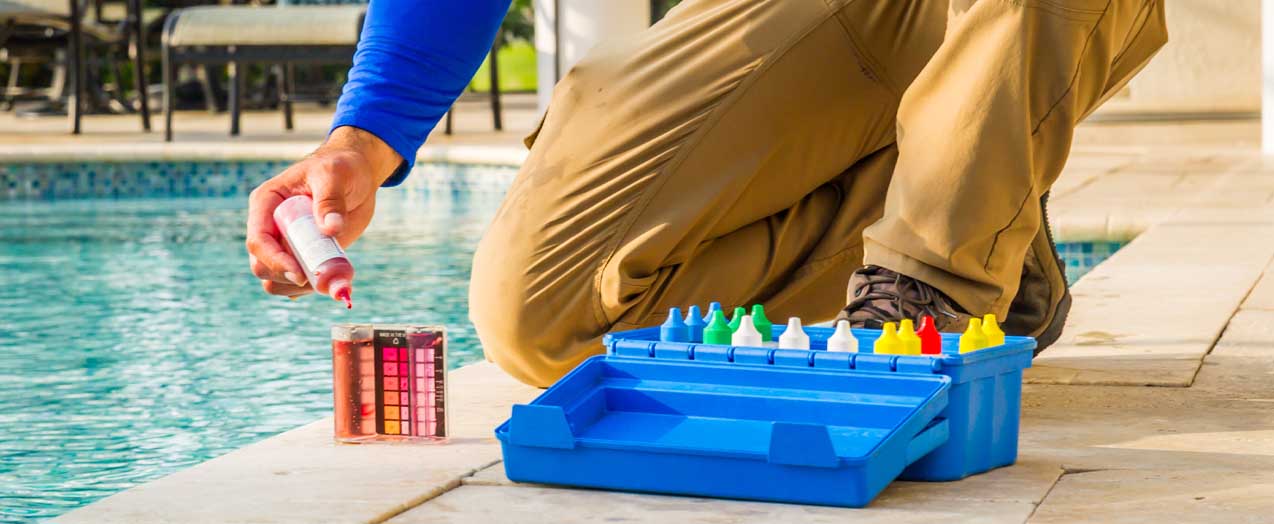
(928, 440)
(541, 427)
(797, 444)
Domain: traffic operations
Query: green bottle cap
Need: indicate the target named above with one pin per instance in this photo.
(762, 324)
(738, 316)
(717, 330)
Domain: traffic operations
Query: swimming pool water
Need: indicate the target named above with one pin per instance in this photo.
(134, 343)
(1082, 257)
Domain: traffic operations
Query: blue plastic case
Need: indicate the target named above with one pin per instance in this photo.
(803, 426)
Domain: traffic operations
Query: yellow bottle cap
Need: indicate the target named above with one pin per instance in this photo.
(888, 343)
(991, 328)
(910, 340)
(973, 339)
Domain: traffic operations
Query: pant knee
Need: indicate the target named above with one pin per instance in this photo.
(535, 329)
(526, 345)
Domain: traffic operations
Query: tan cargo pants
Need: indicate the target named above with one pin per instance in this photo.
(752, 151)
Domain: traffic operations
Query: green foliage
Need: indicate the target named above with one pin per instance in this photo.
(517, 69)
(519, 24)
(661, 7)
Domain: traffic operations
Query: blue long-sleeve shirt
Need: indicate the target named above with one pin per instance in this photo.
(414, 59)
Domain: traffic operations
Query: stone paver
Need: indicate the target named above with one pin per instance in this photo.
(1027, 481)
(1112, 427)
(303, 476)
(1136, 496)
(1149, 314)
(1242, 364)
(1262, 296)
(260, 128)
(510, 504)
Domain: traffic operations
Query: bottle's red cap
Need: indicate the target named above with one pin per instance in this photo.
(340, 291)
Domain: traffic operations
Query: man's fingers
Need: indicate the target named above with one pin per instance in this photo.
(284, 289)
(269, 261)
(328, 189)
(265, 272)
(357, 219)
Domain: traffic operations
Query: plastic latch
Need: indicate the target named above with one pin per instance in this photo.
(792, 357)
(540, 426)
(832, 360)
(745, 355)
(796, 444)
(633, 348)
(673, 351)
(924, 364)
(712, 353)
(874, 362)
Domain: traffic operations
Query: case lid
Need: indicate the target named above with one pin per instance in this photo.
(783, 415)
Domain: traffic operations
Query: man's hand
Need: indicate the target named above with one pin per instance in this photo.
(342, 177)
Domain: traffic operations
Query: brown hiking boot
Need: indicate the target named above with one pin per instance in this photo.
(879, 295)
(1043, 298)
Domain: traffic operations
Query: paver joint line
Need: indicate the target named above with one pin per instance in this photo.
(432, 494)
(1225, 328)
(1036, 506)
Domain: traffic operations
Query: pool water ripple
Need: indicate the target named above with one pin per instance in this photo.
(134, 342)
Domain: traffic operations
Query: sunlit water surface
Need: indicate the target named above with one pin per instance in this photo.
(134, 342)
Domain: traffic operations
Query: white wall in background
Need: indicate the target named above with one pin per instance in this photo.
(1267, 76)
(583, 23)
(1212, 62)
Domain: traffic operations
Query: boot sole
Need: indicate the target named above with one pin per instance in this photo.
(1063, 308)
(1054, 329)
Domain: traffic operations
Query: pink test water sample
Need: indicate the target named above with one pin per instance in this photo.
(326, 267)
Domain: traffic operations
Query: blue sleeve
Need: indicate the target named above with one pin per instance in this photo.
(414, 59)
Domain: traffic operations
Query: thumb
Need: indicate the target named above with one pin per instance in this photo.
(329, 195)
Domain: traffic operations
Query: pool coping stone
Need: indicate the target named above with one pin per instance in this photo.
(497, 155)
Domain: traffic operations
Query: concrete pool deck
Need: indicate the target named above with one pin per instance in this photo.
(1187, 306)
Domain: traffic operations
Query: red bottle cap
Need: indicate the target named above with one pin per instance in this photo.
(930, 339)
(341, 293)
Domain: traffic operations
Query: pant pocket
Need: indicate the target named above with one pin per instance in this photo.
(529, 140)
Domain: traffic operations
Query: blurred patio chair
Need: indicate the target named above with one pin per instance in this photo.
(28, 24)
(27, 46)
(240, 35)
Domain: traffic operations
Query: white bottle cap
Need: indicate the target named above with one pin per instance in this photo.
(746, 335)
(842, 339)
(794, 337)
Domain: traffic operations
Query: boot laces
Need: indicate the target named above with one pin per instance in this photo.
(887, 296)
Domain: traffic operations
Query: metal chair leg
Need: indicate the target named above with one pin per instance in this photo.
(287, 87)
(236, 95)
(170, 91)
(138, 53)
(494, 73)
(75, 102)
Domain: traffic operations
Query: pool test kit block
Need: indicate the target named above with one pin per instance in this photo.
(758, 422)
(389, 383)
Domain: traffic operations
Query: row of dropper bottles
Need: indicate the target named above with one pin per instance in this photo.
(746, 329)
(755, 330)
